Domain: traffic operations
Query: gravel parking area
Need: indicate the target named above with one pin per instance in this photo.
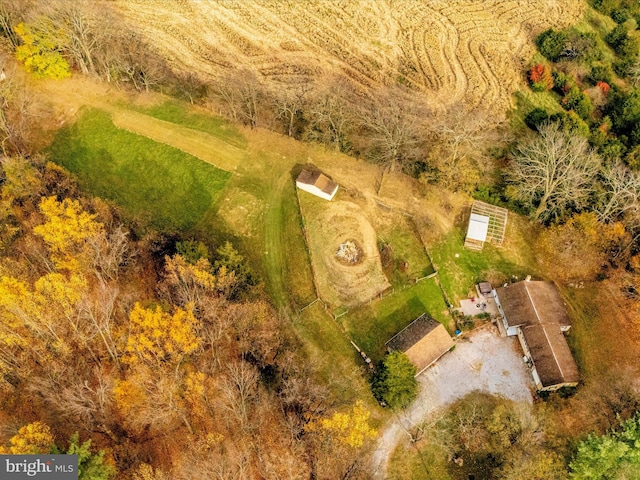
(482, 360)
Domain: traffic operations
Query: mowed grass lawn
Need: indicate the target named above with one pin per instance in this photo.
(370, 326)
(460, 269)
(156, 184)
(176, 112)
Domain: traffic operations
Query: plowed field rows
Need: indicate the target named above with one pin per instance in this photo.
(460, 52)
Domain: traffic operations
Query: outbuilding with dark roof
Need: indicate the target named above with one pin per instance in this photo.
(424, 341)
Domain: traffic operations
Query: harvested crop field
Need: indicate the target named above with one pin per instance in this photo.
(330, 225)
(454, 52)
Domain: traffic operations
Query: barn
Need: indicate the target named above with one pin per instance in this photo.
(424, 341)
(536, 313)
(317, 183)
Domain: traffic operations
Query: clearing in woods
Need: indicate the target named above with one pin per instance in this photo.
(457, 53)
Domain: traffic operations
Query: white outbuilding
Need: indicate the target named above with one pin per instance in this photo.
(487, 223)
(317, 183)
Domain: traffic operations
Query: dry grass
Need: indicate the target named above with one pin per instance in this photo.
(452, 53)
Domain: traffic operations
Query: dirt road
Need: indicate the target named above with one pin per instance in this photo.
(481, 361)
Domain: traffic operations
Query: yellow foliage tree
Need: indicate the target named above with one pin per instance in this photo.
(579, 248)
(188, 282)
(157, 336)
(351, 428)
(34, 438)
(66, 232)
(40, 52)
(129, 396)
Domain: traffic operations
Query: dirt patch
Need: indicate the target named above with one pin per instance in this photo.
(330, 224)
(481, 361)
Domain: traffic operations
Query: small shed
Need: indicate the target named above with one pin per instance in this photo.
(317, 183)
(424, 341)
(487, 223)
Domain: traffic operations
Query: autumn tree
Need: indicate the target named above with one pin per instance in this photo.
(34, 438)
(40, 50)
(156, 336)
(455, 156)
(351, 428)
(21, 111)
(582, 247)
(540, 78)
(67, 231)
(552, 173)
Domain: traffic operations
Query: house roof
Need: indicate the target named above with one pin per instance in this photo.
(318, 180)
(424, 341)
(478, 227)
(551, 355)
(533, 303)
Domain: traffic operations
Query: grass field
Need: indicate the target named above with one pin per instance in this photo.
(154, 183)
(458, 274)
(370, 326)
(176, 113)
(406, 248)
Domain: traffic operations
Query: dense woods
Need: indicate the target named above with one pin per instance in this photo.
(154, 355)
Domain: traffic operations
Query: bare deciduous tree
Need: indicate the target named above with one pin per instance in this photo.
(330, 118)
(242, 94)
(455, 150)
(289, 107)
(621, 195)
(239, 387)
(393, 131)
(553, 172)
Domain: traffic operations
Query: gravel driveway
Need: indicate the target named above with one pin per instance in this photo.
(482, 360)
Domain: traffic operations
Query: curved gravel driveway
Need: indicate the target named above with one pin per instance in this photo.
(482, 360)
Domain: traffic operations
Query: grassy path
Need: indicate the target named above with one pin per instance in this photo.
(274, 250)
(199, 144)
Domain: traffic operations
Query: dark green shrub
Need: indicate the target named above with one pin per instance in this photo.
(612, 148)
(571, 122)
(605, 6)
(551, 44)
(601, 73)
(535, 118)
(579, 102)
(394, 382)
(620, 15)
(616, 36)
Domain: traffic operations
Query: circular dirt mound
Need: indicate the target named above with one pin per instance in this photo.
(349, 253)
(344, 283)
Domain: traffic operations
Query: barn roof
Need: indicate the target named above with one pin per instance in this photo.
(533, 303)
(551, 355)
(424, 341)
(318, 180)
